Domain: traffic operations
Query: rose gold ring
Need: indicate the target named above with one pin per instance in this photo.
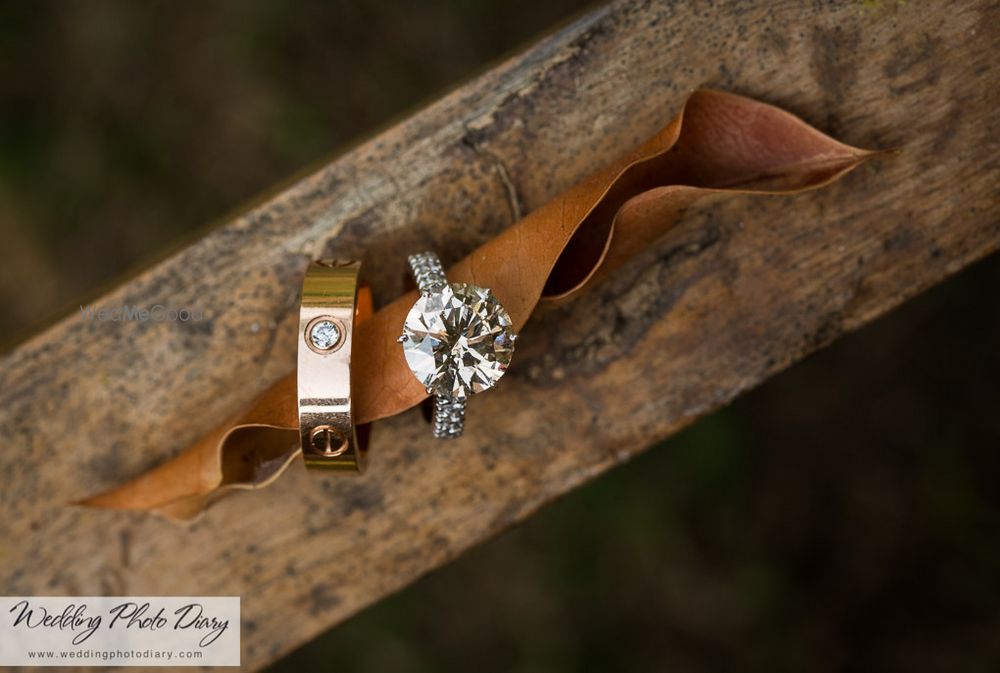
(333, 304)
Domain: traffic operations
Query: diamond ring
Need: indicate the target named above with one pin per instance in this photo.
(457, 340)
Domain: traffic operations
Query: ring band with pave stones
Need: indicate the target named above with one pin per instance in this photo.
(457, 340)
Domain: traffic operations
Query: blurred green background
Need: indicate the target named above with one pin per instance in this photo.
(843, 517)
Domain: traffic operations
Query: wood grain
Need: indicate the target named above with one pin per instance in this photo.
(737, 292)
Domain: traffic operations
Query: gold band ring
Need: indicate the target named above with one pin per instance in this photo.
(333, 304)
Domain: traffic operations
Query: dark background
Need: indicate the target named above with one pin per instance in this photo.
(842, 517)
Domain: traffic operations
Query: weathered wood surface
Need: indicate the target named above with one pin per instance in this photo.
(737, 292)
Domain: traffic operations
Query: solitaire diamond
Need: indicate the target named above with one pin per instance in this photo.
(324, 335)
(457, 340)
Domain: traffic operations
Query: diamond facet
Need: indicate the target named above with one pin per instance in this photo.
(458, 340)
(324, 335)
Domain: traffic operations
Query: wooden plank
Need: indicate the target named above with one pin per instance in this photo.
(736, 293)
